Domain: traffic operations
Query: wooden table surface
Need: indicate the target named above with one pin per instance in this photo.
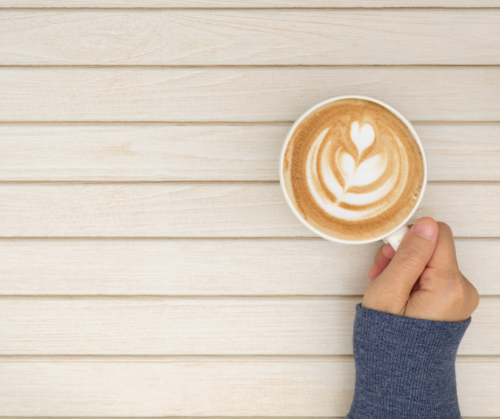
(149, 265)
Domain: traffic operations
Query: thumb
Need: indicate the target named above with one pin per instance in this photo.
(410, 260)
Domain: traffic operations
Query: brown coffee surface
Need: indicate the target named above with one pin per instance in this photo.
(353, 170)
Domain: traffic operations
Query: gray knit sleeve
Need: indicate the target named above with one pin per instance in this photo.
(405, 367)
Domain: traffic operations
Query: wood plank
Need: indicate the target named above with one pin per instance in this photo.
(241, 94)
(472, 150)
(182, 326)
(208, 387)
(142, 152)
(210, 210)
(209, 267)
(158, 152)
(201, 326)
(249, 3)
(298, 37)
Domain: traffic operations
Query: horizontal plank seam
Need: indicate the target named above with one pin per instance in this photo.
(163, 358)
(181, 296)
(239, 66)
(145, 357)
(147, 182)
(197, 296)
(165, 297)
(204, 182)
(180, 417)
(124, 8)
(169, 123)
(337, 297)
(216, 123)
(203, 417)
(214, 238)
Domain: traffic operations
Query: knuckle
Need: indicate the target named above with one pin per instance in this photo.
(445, 228)
(474, 296)
(465, 294)
(459, 295)
(411, 257)
(448, 272)
(457, 292)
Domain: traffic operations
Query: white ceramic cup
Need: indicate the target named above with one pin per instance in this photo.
(394, 236)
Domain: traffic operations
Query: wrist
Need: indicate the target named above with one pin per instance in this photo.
(404, 362)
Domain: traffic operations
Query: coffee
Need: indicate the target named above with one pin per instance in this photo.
(353, 170)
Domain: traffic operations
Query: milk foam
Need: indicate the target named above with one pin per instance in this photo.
(353, 170)
(356, 170)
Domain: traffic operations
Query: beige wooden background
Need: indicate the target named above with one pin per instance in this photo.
(149, 265)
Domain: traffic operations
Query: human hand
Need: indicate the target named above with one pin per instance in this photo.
(422, 279)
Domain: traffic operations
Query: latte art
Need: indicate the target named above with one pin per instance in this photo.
(353, 170)
(337, 196)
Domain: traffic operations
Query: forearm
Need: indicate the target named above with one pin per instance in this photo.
(405, 367)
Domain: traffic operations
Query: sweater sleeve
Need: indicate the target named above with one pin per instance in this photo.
(405, 367)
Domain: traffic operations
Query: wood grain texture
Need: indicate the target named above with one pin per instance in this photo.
(473, 151)
(176, 326)
(249, 3)
(141, 152)
(209, 267)
(212, 210)
(303, 37)
(209, 152)
(153, 305)
(241, 94)
(201, 326)
(208, 387)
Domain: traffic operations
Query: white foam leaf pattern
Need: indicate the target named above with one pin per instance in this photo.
(369, 170)
(362, 138)
(355, 172)
(365, 173)
(347, 166)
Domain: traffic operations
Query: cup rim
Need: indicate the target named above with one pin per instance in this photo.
(289, 136)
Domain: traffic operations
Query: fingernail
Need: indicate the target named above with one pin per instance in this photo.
(424, 228)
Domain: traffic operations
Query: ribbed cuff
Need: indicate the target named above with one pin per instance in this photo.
(405, 367)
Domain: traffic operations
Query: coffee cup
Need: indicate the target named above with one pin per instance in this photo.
(396, 233)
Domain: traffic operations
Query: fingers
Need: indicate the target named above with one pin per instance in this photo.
(382, 260)
(422, 279)
(410, 260)
(389, 251)
(445, 278)
(445, 256)
(443, 273)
